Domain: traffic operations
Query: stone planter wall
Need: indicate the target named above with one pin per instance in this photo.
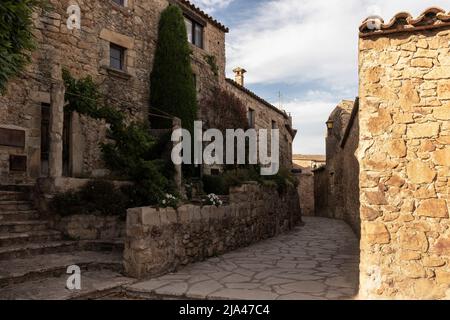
(161, 240)
(91, 227)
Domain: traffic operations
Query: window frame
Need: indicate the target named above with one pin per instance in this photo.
(194, 25)
(122, 51)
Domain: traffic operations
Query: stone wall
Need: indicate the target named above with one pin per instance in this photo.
(350, 187)
(86, 52)
(321, 183)
(337, 185)
(340, 118)
(306, 193)
(161, 240)
(404, 155)
(91, 227)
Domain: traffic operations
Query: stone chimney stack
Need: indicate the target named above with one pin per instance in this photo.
(239, 75)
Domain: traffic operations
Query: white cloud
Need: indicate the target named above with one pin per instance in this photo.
(312, 43)
(211, 5)
(297, 41)
(309, 117)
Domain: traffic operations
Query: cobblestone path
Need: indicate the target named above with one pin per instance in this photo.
(317, 261)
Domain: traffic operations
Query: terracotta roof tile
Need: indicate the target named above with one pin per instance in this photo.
(404, 22)
(202, 13)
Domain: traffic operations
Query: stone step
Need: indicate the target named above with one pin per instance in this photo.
(94, 285)
(18, 215)
(13, 196)
(15, 205)
(23, 226)
(103, 245)
(28, 250)
(24, 188)
(10, 239)
(55, 265)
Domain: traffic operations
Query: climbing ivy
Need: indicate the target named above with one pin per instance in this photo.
(212, 62)
(83, 97)
(133, 153)
(16, 38)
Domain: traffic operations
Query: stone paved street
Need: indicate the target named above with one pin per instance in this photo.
(317, 261)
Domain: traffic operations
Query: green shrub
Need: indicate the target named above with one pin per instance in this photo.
(16, 38)
(96, 197)
(105, 198)
(215, 185)
(236, 177)
(284, 180)
(172, 86)
(133, 153)
(68, 204)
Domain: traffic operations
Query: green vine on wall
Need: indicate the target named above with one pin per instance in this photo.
(212, 62)
(16, 38)
(134, 153)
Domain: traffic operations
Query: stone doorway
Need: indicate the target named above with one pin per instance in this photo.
(45, 139)
(66, 137)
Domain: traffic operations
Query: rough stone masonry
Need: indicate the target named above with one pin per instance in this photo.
(159, 241)
(404, 156)
(86, 52)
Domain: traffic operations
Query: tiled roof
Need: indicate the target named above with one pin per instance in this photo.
(256, 97)
(203, 14)
(404, 22)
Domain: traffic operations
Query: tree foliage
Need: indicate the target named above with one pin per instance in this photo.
(172, 85)
(16, 38)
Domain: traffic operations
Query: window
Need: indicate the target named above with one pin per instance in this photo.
(119, 2)
(251, 118)
(194, 32)
(194, 78)
(274, 124)
(117, 57)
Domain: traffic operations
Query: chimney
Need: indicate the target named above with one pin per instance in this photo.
(239, 75)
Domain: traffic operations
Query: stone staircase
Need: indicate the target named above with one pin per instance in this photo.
(20, 225)
(34, 258)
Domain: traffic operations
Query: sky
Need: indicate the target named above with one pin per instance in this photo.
(307, 50)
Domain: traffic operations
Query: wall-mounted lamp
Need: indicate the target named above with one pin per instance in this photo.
(330, 124)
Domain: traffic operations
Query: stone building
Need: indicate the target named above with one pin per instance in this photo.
(263, 115)
(308, 163)
(337, 188)
(404, 156)
(304, 166)
(115, 45)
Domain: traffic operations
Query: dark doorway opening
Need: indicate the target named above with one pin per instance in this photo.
(67, 168)
(45, 138)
